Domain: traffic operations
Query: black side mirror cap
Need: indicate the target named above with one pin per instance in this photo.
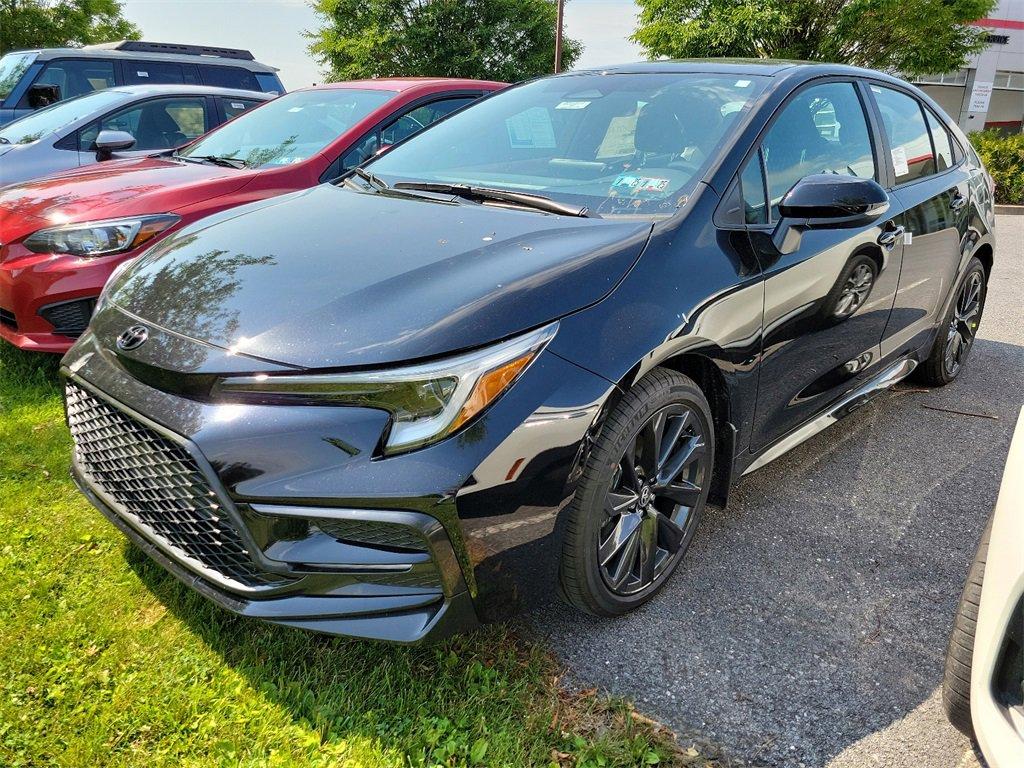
(827, 200)
(41, 95)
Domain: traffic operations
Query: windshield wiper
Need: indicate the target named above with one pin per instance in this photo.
(372, 179)
(482, 194)
(227, 162)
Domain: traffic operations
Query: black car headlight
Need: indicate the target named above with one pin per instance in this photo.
(427, 402)
(100, 238)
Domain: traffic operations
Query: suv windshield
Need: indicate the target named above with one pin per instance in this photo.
(43, 122)
(12, 67)
(616, 144)
(289, 129)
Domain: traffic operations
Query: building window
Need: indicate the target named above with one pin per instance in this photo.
(948, 78)
(1011, 81)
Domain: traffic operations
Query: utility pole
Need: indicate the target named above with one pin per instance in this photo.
(558, 37)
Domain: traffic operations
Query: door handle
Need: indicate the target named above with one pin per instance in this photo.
(890, 237)
(957, 202)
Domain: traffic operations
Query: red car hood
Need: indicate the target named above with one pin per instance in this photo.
(110, 190)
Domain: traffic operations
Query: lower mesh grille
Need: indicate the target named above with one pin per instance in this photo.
(69, 318)
(158, 485)
(7, 318)
(378, 534)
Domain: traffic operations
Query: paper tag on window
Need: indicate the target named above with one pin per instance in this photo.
(742, 83)
(908, 237)
(295, 109)
(237, 105)
(573, 105)
(899, 161)
(142, 74)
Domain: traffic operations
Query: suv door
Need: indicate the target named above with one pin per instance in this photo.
(826, 303)
(157, 124)
(931, 186)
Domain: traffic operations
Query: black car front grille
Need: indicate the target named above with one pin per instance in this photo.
(375, 533)
(69, 318)
(8, 319)
(157, 485)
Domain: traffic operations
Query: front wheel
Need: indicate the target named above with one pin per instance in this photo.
(641, 495)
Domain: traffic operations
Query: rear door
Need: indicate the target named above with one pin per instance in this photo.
(826, 303)
(931, 186)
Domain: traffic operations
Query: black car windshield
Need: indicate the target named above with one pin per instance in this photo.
(43, 122)
(291, 128)
(629, 144)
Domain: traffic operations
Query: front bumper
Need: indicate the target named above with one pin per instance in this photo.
(486, 501)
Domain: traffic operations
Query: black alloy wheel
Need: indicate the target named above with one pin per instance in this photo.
(963, 325)
(640, 497)
(649, 507)
(956, 335)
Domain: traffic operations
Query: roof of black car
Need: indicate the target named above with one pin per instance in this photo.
(765, 67)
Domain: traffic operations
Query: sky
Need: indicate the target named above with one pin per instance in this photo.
(272, 30)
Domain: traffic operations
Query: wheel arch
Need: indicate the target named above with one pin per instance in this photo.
(986, 255)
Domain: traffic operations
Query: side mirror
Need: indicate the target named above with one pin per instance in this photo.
(40, 95)
(827, 200)
(109, 142)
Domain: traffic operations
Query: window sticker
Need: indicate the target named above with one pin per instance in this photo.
(237, 105)
(639, 186)
(899, 161)
(742, 83)
(573, 105)
(531, 129)
(142, 74)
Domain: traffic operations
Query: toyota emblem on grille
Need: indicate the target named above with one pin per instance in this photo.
(133, 338)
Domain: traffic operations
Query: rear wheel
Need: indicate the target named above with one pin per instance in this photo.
(641, 496)
(956, 335)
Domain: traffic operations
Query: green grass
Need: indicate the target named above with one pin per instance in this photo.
(107, 660)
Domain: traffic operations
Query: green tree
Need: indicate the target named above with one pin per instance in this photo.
(914, 37)
(488, 39)
(54, 23)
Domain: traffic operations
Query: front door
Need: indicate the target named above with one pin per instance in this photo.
(828, 301)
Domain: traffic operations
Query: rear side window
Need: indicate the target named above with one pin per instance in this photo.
(234, 107)
(821, 130)
(941, 141)
(229, 77)
(909, 139)
(77, 76)
(269, 82)
(152, 72)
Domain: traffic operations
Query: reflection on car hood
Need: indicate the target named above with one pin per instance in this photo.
(329, 277)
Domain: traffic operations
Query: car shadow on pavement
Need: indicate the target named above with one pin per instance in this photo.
(808, 623)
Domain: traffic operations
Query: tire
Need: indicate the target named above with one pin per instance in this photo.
(956, 682)
(661, 394)
(936, 370)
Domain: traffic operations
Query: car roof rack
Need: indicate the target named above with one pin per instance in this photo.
(141, 46)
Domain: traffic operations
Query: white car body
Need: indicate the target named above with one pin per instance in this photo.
(998, 727)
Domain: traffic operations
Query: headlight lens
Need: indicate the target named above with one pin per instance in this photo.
(100, 238)
(427, 402)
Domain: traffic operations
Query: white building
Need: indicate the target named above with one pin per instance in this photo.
(989, 92)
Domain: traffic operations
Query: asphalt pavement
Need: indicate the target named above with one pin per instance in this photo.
(808, 623)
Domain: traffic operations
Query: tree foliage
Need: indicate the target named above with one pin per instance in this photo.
(47, 24)
(488, 39)
(914, 37)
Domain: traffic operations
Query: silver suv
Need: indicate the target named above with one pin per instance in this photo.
(30, 80)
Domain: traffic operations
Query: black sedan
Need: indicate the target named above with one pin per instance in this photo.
(520, 352)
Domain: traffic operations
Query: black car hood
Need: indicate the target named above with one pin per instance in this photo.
(333, 278)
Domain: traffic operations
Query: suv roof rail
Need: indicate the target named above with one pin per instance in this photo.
(177, 48)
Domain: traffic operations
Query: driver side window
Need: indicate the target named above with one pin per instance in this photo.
(156, 124)
(822, 130)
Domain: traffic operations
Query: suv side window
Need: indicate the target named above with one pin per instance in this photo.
(941, 141)
(909, 139)
(234, 107)
(156, 124)
(229, 77)
(822, 130)
(77, 76)
(153, 72)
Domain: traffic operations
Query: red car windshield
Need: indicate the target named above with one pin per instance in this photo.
(289, 129)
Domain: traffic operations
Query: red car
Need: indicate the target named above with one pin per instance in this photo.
(62, 236)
